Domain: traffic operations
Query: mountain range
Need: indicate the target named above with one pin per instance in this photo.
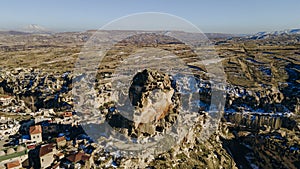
(34, 28)
(262, 35)
(37, 29)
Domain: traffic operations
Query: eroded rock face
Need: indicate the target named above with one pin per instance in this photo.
(151, 93)
(36, 88)
(155, 103)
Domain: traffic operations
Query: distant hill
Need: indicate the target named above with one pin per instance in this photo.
(263, 35)
(222, 35)
(28, 29)
(13, 33)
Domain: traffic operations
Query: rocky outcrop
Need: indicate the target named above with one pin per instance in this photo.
(37, 88)
(240, 99)
(155, 103)
(152, 96)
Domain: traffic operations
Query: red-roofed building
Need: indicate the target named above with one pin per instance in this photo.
(35, 129)
(36, 133)
(61, 141)
(78, 157)
(13, 165)
(46, 155)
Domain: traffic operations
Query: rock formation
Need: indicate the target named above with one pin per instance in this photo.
(155, 103)
(151, 93)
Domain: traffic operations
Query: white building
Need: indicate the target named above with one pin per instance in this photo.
(36, 133)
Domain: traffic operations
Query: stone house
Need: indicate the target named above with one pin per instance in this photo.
(36, 133)
(61, 141)
(78, 158)
(46, 155)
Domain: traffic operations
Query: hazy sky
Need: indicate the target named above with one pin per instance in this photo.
(230, 16)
